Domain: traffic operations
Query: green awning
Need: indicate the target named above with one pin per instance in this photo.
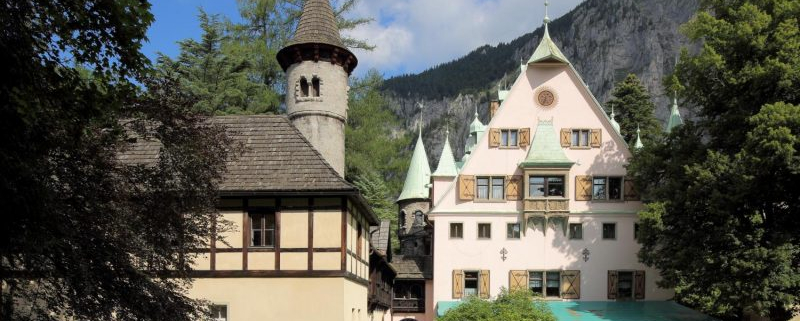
(610, 311)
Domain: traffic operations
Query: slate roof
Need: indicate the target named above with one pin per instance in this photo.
(379, 236)
(317, 25)
(276, 158)
(413, 267)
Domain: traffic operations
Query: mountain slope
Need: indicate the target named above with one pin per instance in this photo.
(605, 40)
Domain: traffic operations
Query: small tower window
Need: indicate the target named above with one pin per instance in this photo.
(303, 87)
(419, 218)
(315, 87)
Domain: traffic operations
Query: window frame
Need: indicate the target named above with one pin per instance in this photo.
(570, 235)
(507, 132)
(509, 235)
(546, 185)
(477, 282)
(603, 233)
(218, 305)
(544, 274)
(607, 186)
(490, 188)
(478, 235)
(263, 228)
(450, 234)
(579, 132)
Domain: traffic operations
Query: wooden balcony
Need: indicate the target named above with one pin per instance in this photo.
(547, 205)
(408, 305)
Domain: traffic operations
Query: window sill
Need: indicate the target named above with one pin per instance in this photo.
(489, 201)
(484, 239)
(547, 198)
(581, 147)
(508, 147)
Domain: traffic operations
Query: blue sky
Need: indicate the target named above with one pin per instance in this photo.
(410, 35)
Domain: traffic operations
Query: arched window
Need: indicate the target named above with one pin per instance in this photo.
(419, 218)
(315, 87)
(402, 222)
(303, 87)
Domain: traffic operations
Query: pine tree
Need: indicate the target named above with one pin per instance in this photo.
(634, 109)
(722, 225)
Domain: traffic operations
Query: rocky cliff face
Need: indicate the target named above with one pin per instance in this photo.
(604, 39)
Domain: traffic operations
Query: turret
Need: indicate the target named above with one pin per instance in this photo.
(414, 203)
(317, 66)
(675, 119)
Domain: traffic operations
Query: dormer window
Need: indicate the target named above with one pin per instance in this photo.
(304, 87)
(315, 87)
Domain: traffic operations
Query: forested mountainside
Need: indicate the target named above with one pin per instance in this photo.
(604, 40)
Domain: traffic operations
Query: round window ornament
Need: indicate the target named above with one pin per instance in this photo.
(546, 97)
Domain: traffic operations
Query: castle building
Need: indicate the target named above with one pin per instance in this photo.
(540, 201)
(302, 243)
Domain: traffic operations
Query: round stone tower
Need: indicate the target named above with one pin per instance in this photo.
(317, 66)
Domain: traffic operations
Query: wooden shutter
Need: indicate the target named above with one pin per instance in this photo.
(566, 137)
(483, 280)
(583, 188)
(597, 138)
(524, 137)
(612, 285)
(570, 284)
(494, 137)
(517, 280)
(466, 187)
(631, 194)
(513, 188)
(638, 285)
(458, 284)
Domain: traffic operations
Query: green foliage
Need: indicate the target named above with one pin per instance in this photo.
(509, 306)
(723, 225)
(635, 109)
(376, 155)
(219, 73)
(85, 234)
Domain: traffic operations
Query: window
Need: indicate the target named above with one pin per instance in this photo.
(512, 231)
(547, 283)
(470, 283)
(315, 87)
(303, 87)
(536, 282)
(580, 138)
(359, 239)
(419, 218)
(609, 231)
(262, 229)
(484, 230)
(509, 137)
(218, 312)
(553, 284)
(456, 230)
(491, 188)
(546, 186)
(625, 285)
(575, 231)
(635, 231)
(607, 188)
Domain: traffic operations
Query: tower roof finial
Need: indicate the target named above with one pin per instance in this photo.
(421, 106)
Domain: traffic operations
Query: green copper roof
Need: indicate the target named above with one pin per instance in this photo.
(675, 119)
(547, 50)
(447, 164)
(418, 175)
(614, 122)
(638, 144)
(546, 151)
(477, 125)
(502, 95)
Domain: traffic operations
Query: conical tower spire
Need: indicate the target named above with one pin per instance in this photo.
(447, 163)
(418, 175)
(675, 118)
(317, 38)
(547, 51)
(638, 144)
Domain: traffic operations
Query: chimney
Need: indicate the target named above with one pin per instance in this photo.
(494, 105)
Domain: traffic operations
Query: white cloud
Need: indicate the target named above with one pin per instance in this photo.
(413, 35)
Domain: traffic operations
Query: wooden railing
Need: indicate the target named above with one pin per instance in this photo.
(408, 305)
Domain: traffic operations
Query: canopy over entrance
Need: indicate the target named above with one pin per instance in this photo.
(610, 311)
